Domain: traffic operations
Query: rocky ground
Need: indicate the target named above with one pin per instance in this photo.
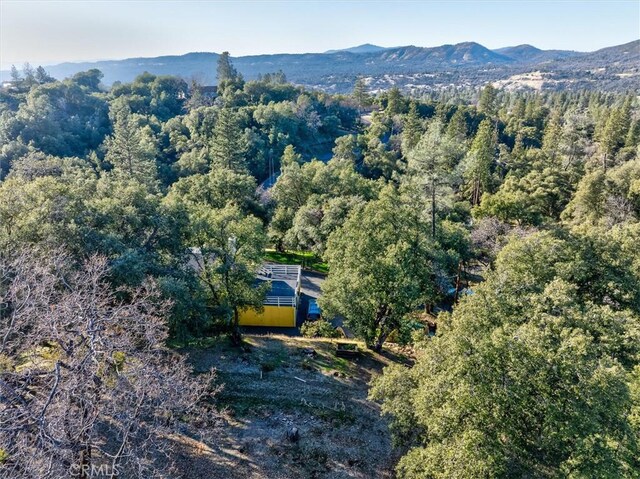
(290, 409)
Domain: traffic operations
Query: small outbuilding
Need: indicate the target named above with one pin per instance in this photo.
(280, 306)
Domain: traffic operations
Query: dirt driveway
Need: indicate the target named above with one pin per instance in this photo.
(311, 283)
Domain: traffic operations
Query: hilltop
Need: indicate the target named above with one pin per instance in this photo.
(365, 48)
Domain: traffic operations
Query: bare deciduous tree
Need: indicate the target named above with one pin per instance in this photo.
(490, 235)
(87, 386)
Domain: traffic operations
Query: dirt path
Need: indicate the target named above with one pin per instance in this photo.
(277, 384)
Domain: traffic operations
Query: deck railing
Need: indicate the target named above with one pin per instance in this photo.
(285, 270)
(282, 272)
(279, 301)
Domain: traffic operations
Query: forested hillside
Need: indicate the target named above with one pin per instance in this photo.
(410, 67)
(493, 234)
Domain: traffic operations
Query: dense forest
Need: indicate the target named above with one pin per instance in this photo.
(494, 234)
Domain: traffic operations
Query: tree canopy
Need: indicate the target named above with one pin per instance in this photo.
(492, 233)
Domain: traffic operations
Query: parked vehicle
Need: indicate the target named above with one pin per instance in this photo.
(313, 312)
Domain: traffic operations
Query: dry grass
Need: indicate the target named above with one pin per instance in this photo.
(274, 384)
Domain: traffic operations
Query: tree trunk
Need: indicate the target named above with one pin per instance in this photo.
(85, 441)
(377, 346)
(381, 318)
(236, 337)
(475, 197)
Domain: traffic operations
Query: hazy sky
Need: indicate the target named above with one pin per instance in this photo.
(44, 32)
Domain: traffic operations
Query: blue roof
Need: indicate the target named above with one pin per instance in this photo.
(278, 288)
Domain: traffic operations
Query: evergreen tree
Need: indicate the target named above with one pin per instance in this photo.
(381, 262)
(89, 79)
(575, 136)
(488, 102)
(230, 248)
(230, 81)
(279, 78)
(348, 148)
(411, 129)
(131, 149)
(42, 76)
(395, 102)
(229, 146)
(518, 146)
(196, 98)
(289, 157)
(633, 135)
(226, 71)
(15, 74)
(457, 128)
(360, 94)
(509, 386)
(431, 163)
(519, 380)
(29, 75)
(480, 161)
(552, 138)
(614, 133)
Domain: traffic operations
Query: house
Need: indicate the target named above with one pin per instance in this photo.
(209, 91)
(280, 306)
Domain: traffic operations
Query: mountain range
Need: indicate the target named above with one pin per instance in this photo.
(409, 67)
(366, 48)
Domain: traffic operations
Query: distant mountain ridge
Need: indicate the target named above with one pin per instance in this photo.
(366, 48)
(529, 53)
(467, 63)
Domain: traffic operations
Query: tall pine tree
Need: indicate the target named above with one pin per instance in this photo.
(457, 127)
(131, 149)
(488, 102)
(229, 146)
(431, 163)
(360, 94)
(480, 160)
(226, 71)
(411, 129)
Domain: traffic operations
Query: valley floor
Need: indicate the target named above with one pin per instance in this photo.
(277, 383)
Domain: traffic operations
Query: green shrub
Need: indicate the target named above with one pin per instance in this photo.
(268, 365)
(319, 329)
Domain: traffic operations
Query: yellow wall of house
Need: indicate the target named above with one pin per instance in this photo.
(284, 316)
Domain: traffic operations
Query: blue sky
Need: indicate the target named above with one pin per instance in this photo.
(45, 32)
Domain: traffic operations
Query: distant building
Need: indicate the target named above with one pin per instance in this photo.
(209, 91)
(280, 306)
